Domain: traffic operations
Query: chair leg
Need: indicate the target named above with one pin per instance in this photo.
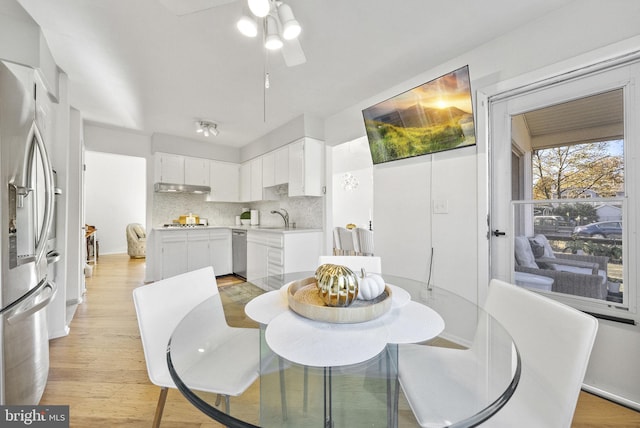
(283, 391)
(160, 407)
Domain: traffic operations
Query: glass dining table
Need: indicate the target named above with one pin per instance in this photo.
(432, 359)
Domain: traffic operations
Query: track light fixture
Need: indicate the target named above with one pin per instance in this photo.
(279, 22)
(207, 128)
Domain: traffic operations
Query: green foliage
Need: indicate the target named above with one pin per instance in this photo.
(392, 142)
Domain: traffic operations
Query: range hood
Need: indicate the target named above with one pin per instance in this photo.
(180, 188)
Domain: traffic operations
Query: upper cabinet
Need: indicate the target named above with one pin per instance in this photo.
(224, 179)
(196, 171)
(306, 167)
(177, 169)
(300, 164)
(245, 182)
(256, 179)
(275, 167)
(169, 168)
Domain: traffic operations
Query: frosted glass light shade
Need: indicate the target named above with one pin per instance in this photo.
(260, 8)
(290, 27)
(247, 26)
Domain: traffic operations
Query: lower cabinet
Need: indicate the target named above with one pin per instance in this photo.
(272, 254)
(173, 253)
(183, 251)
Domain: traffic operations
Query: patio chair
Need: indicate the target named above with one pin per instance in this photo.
(574, 274)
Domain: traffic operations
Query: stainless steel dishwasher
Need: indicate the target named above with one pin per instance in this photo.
(239, 246)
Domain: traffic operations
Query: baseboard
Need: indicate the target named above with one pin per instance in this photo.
(611, 397)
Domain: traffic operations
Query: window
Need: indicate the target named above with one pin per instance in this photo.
(569, 235)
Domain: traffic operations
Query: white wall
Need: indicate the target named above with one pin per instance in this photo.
(552, 45)
(352, 205)
(115, 192)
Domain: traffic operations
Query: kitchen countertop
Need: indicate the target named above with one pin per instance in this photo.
(273, 229)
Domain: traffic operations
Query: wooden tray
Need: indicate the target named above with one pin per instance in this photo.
(304, 299)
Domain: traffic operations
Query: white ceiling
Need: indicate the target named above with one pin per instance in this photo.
(135, 64)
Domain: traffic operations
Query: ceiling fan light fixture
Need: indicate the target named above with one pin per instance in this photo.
(290, 26)
(272, 41)
(247, 26)
(260, 8)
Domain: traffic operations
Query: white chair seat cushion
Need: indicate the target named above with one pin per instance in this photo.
(239, 353)
(446, 373)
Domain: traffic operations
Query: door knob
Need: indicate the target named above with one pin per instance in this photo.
(498, 233)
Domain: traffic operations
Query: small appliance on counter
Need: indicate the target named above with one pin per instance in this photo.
(255, 217)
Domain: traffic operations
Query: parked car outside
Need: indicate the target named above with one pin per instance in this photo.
(549, 223)
(602, 229)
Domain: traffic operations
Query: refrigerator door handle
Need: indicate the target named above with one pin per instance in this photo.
(30, 303)
(37, 143)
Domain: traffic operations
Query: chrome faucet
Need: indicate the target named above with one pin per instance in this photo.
(284, 216)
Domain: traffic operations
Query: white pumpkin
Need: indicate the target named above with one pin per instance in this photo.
(370, 286)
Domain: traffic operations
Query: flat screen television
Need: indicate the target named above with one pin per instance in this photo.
(433, 117)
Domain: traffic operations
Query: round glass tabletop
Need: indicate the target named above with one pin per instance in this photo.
(401, 369)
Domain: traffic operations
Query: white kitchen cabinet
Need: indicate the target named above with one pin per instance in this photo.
(173, 253)
(220, 250)
(182, 251)
(281, 166)
(256, 179)
(306, 167)
(198, 254)
(196, 171)
(274, 253)
(275, 167)
(269, 169)
(169, 168)
(224, 179)
(245, 182)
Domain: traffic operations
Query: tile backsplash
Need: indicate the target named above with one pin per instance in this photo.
(306, 212)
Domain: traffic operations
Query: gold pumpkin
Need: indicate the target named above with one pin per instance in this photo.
(338, 285)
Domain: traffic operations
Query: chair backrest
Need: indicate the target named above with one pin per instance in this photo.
(555, 342)
(346, 240)
(365, 241)
(160, 307)
(135, 231)
(355, 263)
(337, 246)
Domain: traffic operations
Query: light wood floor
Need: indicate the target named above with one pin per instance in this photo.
(99, 369)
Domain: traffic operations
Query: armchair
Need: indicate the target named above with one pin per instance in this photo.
(574, 274)
(136, 240)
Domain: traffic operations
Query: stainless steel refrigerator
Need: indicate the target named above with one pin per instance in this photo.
(26, 202)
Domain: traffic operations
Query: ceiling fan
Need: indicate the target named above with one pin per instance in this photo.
(275, 18)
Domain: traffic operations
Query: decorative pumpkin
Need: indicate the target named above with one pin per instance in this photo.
(370, 286)
(338, 285)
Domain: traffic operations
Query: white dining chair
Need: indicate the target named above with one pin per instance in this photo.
(337, 246)
(554, 342)
(161, 306)
(355, 263)
(346, 241)
(364, 238)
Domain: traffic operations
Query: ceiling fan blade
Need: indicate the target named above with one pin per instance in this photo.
(186, 7)
(292, 53)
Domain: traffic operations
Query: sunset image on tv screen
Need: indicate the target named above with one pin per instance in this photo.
(433, 117)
